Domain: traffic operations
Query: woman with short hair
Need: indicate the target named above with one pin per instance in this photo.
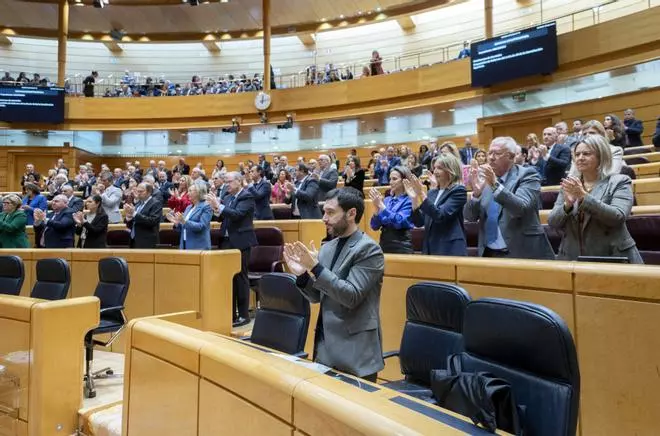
(12, 223)
(392, 214)
(593, 206)
(32, 200)
(194, 223)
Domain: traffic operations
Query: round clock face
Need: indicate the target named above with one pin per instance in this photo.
(262, 101)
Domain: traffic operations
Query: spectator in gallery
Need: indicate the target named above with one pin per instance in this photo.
(88, 84)
(593, 206)
(376, 64)
(366, 72)
(8, 80)
(414, 166)
(347, 75)
(465, 53)
(633, 128)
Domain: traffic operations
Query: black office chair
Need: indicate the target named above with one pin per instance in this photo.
(12, 274)
(531, 347)
(53, 279)
(434, 322)
(112, 288)
(282, 321)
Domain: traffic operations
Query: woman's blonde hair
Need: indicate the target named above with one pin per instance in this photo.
(452, 165)
(596, 125)
(187, 180)
(533, 137)
(600, 146)
(13, 199)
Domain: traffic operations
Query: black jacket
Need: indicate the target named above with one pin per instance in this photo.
(656, 135)
(261, 193)
(237, 220)
(634, 131)
(146, 224)
(60, 230)
(96, 234)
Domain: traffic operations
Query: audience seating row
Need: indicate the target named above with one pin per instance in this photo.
(525, 344)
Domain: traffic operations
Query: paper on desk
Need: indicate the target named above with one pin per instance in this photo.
(317, 367)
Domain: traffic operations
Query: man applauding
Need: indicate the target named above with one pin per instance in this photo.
(345, 277)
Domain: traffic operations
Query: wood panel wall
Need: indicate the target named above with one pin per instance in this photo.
(646, 104)
(351, 46)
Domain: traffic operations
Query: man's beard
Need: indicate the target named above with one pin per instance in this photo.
(339, 228)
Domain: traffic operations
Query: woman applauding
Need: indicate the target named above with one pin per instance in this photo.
(593, 205)
(441, 210)
(392, 215)
(12, 223)
(92, 226)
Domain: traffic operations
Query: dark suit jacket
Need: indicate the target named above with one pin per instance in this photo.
(147, 225)
(307, 197)
(268, 173)
(164, 189)
(444, 234)
(557, 165)
(634, 131)
(327, 182)
(464, 154)
(261, 193)
(357, 181)
(76, 204)
(96, 234)
(59, 230)
(237, 220)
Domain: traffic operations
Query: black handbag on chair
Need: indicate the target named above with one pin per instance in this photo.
(485, 399)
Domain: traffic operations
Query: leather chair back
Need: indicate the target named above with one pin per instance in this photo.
(417, 239)
(114, 281)
(282, 213)
(472, 238)
(434, 321)
(168, 238)
(548, 199)
(531, 347)
(118, 238)
(12, 274)
(53, 279)
(282, 320)
(269, 250)
(645, 230)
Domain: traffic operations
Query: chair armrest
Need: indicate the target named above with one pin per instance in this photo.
(112, 309)
(388, 354)
(301, 355)
(245, 338)
(277, 266)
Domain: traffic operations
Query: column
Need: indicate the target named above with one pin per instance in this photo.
(266, 24)
(488, 18)
(62, 34)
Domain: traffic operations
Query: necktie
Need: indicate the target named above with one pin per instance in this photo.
(492, 220)
(138, 208)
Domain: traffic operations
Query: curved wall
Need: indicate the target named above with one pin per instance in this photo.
(351, 46)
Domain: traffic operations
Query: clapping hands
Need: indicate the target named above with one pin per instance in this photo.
(39, 215)
(376, 199)
(415, 190)
(300, 259)
(78, 218)
(573, 191)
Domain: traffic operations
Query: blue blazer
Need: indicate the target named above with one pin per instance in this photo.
(396, 214)
(38, 202)
(261, 193)
(557, 164)
(444, 234)
(197, 227)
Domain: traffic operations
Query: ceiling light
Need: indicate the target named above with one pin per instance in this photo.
(378, 9)
(224, 1)
(359, 12)
(179, 151)
(373, 141)
(341, 16)
(227, 149)
(452, 110)
(323, 20)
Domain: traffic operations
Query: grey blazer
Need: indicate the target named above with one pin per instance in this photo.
(519, 217)
(350, 305)
(327, 181)
(110, 200)
(603, 231)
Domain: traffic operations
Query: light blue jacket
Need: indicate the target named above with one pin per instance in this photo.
(197, 228)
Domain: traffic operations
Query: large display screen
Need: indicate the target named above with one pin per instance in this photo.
(514, 55)
(31, 104)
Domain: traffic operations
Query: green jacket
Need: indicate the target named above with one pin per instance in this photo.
(12, 230)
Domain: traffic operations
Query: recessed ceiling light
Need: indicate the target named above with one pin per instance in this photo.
(224, 1)
(378, 9)
(359, 12)
(452, 110)
(179, 151)
(362, 122)
(323, 20)
(373, 141)
(341, 16)
(227, 149)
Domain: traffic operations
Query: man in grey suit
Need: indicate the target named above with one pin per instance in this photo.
(111, 199)
(505, 201)
(345, 277)
(304, 196)
(327, 176)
